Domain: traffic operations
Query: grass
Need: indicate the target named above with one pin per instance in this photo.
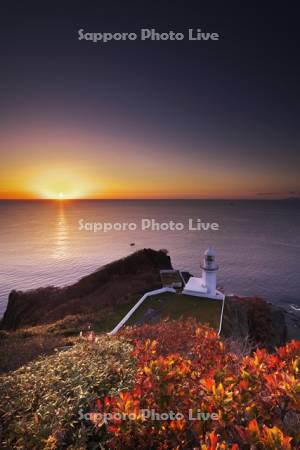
(24, 345)
(40, 402)
(28, 343)
(168, 277)
(113, 318)
(176, 306)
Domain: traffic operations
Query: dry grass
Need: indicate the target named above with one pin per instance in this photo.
(40, 402)
(16, 351)
(26, 344)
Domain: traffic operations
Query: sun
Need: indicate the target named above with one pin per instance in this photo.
(61, 185)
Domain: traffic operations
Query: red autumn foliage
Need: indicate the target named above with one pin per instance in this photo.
(251, 402)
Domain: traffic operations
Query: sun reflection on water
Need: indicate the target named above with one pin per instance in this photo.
(61, 234)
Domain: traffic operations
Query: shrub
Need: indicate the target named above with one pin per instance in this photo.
(255, 399)
(249, 401)
(40, 402)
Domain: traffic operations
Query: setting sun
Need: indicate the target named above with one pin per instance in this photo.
(61, 183)
(61, 196)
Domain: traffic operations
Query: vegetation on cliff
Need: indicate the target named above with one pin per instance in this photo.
(40, 402)
(250, 400)
(103, 292)
(39, 321)
(254, 318)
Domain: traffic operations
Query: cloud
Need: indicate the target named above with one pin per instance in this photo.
(278, 194)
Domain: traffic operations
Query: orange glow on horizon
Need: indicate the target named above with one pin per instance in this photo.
(68, 164)
(65, 183)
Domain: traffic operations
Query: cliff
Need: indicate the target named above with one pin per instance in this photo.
(263, 323)
(108, 288)
(102, 298)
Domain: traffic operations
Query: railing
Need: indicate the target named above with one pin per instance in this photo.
(135, 307)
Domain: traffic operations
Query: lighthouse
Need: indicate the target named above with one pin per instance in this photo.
(206, 285)
(209, 271)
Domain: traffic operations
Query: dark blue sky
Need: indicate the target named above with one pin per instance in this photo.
(231, 106)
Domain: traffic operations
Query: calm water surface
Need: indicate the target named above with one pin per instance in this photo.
(257, 246)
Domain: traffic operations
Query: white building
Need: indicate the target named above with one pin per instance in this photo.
(206, 286)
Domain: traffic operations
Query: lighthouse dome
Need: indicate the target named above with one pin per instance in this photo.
(209, 260)
(209, 252)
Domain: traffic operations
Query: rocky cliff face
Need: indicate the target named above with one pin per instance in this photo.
(108, 287)
(254, 318)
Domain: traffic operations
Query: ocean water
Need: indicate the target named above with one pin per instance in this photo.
(257, 244)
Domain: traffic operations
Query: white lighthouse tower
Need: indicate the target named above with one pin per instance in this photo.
(209, 271)
(206, 286)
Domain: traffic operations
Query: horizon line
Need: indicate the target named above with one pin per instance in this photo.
(259, 198)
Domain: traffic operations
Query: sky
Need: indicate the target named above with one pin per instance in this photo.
(149, 119)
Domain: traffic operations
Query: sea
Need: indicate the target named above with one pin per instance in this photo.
(257, 243)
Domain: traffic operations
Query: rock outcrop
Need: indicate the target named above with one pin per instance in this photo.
(261, 322)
